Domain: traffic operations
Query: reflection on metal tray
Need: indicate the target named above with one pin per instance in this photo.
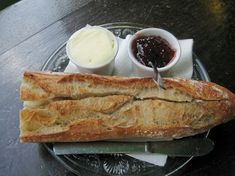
(117, 164)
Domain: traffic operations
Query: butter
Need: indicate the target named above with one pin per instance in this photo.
(92, 46)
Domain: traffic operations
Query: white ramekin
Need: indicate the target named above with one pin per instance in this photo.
(104, 69)
(142, 70)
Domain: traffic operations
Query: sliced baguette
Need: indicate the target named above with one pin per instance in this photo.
(81, 107)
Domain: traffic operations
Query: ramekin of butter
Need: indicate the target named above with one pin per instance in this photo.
(93, 49)
(153, 45)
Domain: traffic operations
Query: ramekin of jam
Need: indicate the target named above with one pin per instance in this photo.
(153, 45)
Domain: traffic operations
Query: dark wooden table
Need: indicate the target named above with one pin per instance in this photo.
(31, 30)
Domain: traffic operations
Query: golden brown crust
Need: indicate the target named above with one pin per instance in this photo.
(76, 107)
(49, 85)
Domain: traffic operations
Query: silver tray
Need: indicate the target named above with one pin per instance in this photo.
(117, 164)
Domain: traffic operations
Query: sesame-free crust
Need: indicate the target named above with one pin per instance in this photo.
(61, 107)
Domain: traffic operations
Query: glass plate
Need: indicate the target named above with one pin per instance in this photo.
(117, 164)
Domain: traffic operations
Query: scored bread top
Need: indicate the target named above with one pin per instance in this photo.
(43, 86)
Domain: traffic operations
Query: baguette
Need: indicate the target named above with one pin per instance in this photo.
(60, 107)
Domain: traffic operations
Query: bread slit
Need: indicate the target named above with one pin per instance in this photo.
(41, 104)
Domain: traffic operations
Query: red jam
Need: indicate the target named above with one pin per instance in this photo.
(154, 49)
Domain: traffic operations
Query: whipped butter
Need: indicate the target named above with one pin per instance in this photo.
(92, 46)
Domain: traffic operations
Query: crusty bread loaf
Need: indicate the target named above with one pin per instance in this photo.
(61, 107)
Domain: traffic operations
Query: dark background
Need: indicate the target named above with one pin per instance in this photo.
(31, 30)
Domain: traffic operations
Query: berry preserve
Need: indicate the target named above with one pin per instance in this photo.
(154, 49)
